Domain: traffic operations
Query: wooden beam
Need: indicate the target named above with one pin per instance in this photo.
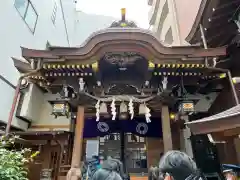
(51, 127)
(232, 132)
(214, 138)
(166, 129)
(211, 52)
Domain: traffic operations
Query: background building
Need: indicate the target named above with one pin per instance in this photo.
(86, 24)
(34, 24)
(29, 24)
(172, 20)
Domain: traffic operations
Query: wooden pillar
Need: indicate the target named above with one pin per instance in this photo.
(230, 152)
(166, 129)
(46, 155)
(78, 138)
(154, 149)
(237, 147)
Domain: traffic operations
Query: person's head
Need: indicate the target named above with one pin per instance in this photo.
(112, 164)
(103, 174)
(229, 174)
(176, 165)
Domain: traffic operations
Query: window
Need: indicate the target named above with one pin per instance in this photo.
(53, 17)
(27, 12)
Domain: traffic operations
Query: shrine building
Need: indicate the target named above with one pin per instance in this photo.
(122, 91)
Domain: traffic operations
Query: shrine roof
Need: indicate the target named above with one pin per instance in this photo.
(118, 40)
(225, 120)
(217, 18)
(121, 39)
(38, 135)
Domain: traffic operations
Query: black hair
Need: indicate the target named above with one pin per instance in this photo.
(112, 169)
(103, 174)
(178, 165)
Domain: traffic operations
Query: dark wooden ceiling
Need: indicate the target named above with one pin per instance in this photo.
(216, 17)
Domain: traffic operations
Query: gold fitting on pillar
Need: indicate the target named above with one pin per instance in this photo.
(95, 66)
(151, 65)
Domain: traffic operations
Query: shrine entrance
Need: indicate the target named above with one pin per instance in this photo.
(127, 147)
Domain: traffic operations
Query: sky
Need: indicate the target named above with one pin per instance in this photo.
(136, 10)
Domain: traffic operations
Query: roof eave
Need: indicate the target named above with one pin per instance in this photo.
(21, 66)
(197, 21)
(225, 120)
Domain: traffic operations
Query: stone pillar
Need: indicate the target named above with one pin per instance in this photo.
(78, 138)
(186, 134)
(182, 141)
(166, 129)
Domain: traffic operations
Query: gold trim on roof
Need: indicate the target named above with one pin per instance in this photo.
(51, 74)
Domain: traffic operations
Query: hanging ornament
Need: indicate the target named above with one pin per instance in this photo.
(165, 82)
(147, 114)
(113, 109)
(65, 90)
(131, 108)
(97, 106)
(81, 84)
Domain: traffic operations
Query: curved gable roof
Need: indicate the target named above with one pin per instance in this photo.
(122, 39)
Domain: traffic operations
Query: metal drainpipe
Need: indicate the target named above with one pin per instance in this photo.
(204, 43)
(64, 21)
(17, 91)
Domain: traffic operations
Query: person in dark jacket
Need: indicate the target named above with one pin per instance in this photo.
(177, 165)
(111, 169)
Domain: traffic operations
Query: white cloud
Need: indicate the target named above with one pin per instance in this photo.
(136, 10)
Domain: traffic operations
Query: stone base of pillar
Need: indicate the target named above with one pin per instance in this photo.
(186, 145)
